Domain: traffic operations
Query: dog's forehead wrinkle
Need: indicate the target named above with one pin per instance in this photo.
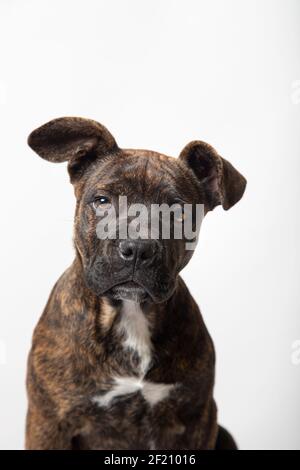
(139, 178)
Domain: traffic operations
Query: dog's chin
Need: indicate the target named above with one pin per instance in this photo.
(137, 293)
(129, 291)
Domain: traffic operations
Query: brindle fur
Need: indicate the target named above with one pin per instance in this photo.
(77, 347)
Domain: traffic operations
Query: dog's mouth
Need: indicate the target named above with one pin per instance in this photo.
(149, 286)
(129, 290)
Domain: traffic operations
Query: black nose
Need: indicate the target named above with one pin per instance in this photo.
(139, 250)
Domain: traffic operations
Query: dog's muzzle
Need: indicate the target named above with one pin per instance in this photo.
(133, 270)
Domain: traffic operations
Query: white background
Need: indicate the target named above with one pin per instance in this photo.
(159, 74)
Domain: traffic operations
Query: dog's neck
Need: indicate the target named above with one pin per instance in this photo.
(135, 329)
(133, 316)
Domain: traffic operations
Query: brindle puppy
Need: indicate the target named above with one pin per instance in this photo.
(121, 358)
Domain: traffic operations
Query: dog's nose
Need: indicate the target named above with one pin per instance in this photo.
(139, 250)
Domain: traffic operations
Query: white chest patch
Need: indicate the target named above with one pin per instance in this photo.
(152, 392)
(135, 328)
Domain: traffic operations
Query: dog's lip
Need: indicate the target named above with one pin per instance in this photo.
(129, 285)
(132, 288)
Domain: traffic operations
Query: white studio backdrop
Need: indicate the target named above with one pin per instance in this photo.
(159, 74)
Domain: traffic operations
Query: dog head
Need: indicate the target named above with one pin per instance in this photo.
(142, 268)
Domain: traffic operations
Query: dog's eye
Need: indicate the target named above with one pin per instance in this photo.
(101, 202)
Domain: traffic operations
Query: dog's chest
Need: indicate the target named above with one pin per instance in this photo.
(134, 332)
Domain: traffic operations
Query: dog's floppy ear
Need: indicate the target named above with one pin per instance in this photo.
(76, 140)
(220, 181)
